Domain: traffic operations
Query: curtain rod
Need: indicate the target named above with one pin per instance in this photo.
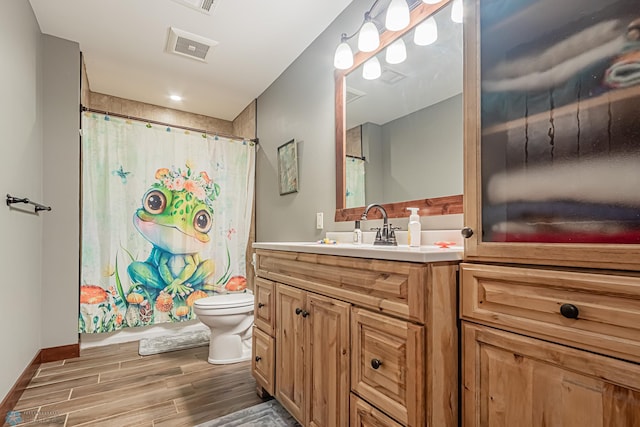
(124, 116)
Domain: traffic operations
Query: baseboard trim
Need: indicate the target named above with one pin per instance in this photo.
(45, 355)
(53, 354)
(19, 387)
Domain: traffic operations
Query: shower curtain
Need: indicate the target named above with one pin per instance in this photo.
(355, 185)
(165, 221)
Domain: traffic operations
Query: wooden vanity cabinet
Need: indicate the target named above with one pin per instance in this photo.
(549, 347)
(364, 342)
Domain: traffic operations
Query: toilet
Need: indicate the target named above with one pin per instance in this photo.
(230, 318)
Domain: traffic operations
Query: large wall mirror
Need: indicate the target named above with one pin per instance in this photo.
(399, 136)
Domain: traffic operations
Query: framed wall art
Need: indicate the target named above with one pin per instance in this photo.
(288, 167)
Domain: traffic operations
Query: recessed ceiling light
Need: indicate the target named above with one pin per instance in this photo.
(176, 98)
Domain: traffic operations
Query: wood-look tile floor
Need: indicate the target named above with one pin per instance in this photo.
(114, 386)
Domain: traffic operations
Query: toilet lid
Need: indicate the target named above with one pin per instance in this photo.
(226, 300)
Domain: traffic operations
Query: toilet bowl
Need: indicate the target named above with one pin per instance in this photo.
(230, 318)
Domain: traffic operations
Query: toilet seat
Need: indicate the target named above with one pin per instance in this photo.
(238, 300)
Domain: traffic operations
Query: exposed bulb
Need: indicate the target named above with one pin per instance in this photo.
(397, 15)
(396, 52)
(343, 59)
(456, 11)
(369, 38)
(431, 1)
(426, 33)
(372, 69)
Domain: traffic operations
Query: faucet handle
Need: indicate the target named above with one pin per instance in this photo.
(378, 235)
(392, 234)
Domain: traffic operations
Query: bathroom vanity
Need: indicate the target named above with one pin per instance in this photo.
(358, 335)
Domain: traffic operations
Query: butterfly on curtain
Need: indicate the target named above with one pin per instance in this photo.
(122, 174)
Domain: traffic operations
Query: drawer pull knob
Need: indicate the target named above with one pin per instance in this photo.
(305, 313)
(258, 358)
(298, 311)
(569, 311)
(466, 232)
(376, 363)
(260, 304)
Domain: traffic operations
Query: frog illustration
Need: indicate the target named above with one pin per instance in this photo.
(176, 217)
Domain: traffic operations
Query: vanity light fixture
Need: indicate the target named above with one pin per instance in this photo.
(369, 37)
(456, 11)
(396, 52)
(431, 1)
(343, 59)
(426, 33)
(398, 15)
(368, 41)
(372, 69)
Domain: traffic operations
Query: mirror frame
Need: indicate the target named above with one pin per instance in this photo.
(428, 207)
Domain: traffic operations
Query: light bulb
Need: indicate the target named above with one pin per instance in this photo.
(431, 1)
(397, 15)
(371, 69)
(396, 52)
(368, 39)
(343, 58)
(456, 11)
(426, 33)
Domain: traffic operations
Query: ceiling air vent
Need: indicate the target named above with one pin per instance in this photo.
(390, 76)
(204, 6)
(190, 45)
(353, 94)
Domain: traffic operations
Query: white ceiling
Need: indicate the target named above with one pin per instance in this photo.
(123, 43)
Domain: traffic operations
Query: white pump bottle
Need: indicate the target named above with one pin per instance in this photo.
(414, 228)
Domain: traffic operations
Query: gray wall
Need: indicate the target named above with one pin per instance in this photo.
(20, 175)
(300, 105)
(423, 153)
(39, 81)
(61, 174)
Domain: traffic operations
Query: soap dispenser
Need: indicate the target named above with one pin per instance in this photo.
(414, 228)
(357, 234)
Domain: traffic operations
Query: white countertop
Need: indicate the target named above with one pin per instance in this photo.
(428, 253)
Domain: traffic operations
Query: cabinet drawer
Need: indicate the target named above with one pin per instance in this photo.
(387, 367)
(390, 287)
(365, 415)
(262, 362)
(264, 312)
(596, 312)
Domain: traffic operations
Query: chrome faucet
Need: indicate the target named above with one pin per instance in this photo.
(386, 236)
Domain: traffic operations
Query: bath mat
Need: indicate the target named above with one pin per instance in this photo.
(165, 343)
(267, 414)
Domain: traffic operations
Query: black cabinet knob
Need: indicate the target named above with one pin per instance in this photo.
(260, 305)
(258, 358)
(466, 232)
(376, 363)
(298, 311)
(305, 313)
(569, 311)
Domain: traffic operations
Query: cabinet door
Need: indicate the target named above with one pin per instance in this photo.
(290, 352)
(264, 305)
(327, 345)
(550, 160)
(513, 380)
